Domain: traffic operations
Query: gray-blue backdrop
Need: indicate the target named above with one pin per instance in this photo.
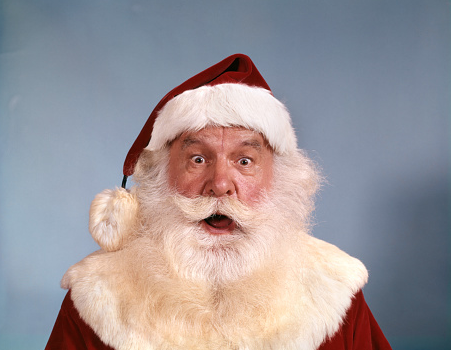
(368, 86)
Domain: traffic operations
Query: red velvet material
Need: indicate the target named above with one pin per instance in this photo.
(71, 332)
(359, 331)
(237, 68)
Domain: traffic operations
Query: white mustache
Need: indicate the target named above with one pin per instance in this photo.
(199, 208)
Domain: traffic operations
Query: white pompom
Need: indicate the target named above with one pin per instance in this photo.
(111, 218)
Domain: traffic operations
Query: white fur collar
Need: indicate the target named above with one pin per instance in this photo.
(134, 307)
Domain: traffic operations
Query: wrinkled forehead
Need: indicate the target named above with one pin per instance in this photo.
(218, 135)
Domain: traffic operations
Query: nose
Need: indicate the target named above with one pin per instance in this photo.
(220, 180)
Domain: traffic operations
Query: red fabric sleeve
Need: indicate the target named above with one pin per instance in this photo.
(71, 332)
(359, 331)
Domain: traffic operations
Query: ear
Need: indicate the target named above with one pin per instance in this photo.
(111, 218)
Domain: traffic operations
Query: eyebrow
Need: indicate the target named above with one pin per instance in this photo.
(189, 141)
(253, 143)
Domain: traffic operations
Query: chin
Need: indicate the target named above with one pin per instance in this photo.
(197, 254)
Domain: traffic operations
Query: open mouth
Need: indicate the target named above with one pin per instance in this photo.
(219, 221)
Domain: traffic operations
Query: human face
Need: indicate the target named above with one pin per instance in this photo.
(220, 162)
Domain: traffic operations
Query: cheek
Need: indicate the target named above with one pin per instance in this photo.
(250, 190)
(172, 174)
(178, 176)
(265, 178)
(186, 184)
(262, 182)
(188, 187)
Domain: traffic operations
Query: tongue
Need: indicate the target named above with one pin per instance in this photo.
(219, 221)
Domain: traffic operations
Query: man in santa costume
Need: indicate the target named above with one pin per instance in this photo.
(210, 248)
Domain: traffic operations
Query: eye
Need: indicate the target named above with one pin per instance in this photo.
(244, 161)
(198, 159)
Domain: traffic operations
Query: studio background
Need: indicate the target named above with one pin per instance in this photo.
(368, 86)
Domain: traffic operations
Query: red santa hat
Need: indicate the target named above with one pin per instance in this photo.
(229, 93)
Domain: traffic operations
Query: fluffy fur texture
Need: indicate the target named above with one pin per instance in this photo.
(111, 218)
(268, 286)
(225, 105)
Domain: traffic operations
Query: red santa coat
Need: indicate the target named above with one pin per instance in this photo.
(359, 331)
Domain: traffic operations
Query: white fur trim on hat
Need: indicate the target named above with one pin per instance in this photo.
(111, 218)
(225, 105)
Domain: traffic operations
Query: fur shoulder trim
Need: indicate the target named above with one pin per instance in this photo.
(133, 307)
(334, 265)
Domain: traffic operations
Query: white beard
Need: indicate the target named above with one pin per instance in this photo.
(264, 231)
(195, 254)
(173, 286)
